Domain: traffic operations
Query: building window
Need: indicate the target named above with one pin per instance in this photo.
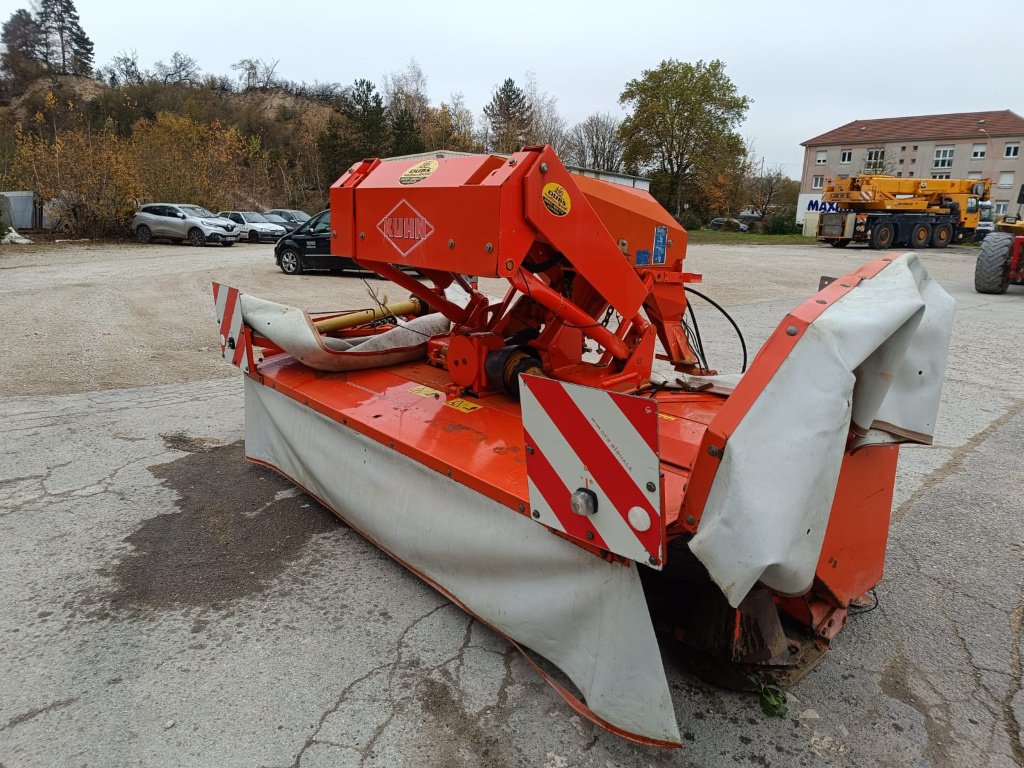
(915, 147)
(1001, 206)
(943, 157)
(1006, 178)
(822, 157)
(817, 182)
(910, 174)
(899, 173)
(974, 174)
(903, 148)
(913, 161)
(978, 152)
(874, 160)
(901, 161)
(940, 175)
(846, 156)
(1012, 150)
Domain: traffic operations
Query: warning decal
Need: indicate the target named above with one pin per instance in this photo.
(418, 172)
(556, 199)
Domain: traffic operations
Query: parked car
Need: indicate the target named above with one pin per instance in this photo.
(178, 222)
(289, 214)
(733, 225)
(309, 247)
(254, 227)
(281, 221)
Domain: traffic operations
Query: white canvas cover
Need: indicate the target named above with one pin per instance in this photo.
(874, 361)
(585, 615)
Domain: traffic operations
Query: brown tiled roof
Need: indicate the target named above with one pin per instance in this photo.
(962, 125)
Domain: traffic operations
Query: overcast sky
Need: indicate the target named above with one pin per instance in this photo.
(808, 67)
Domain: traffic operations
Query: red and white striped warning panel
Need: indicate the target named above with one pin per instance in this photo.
(593, 467)
(229, 318)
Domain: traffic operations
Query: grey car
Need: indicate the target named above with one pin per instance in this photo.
(178, 222)
(254, 227)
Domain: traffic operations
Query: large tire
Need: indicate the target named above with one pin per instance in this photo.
(290, 262)
(920, 235)
(992, 270)
(841, 243)
(196, 237)
(143, 234)
(882, 235)
(942, 235)
(254, 236)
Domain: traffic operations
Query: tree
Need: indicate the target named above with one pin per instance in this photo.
(546, 125)
(684, 119)
(405, 136)
(67, 49)
(124, 69)
(450, 126)
(594, 143)
(22, 57)
(407, 90)
(767, 190)
(255, 74)
(180, 70)
(509, 117)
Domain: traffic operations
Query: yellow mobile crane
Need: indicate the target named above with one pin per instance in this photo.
(884, 211)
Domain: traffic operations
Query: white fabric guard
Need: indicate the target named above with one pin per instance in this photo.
(874, 360)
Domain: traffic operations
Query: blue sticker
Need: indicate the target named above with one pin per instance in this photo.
(660, 244)
(643, 258)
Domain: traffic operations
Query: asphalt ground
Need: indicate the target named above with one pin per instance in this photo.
(163, 603)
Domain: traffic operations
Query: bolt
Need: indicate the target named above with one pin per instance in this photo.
(651, 487)
(690, 519)
(451, 243)
(522, 508)
(536, 514)
(488, 247)
(543, 167)
(590, 535)
(530, 449)
(715, 451)
(791, 330)
(512, 161)
(652, 560)
(362, 235)
(448, 471)
(509, 265)
(669, 243)
(822, 301)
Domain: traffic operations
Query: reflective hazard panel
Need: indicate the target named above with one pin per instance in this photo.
(233, 345)
(593, 468)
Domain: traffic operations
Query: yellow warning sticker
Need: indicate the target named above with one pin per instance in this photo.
(418, 172)
(556, 199)
(463, 405)
(425, 391)
(667, 417)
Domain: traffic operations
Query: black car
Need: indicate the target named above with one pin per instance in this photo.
(309, 247)
(288, 224)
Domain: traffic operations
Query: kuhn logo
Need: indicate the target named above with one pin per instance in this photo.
(405, 228)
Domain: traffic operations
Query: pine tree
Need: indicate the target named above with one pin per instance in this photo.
(68, 50)
(405, 134)
(22, 57)
(510, 117)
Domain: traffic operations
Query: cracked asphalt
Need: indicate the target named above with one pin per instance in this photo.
(163, 603)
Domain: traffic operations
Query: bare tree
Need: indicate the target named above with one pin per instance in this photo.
(546, 126)
(406, 90)
(768, 188)
(124, 69)
(594, 143)
(256, 74)
(180, 70)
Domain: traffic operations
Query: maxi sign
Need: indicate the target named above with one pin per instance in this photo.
(812, 203)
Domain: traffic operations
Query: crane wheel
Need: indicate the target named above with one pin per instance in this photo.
(920, 235)
(882, 236)
(942, 235)
(992, 270)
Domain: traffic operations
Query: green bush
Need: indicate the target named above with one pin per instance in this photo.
(783, 222)
(690, 220)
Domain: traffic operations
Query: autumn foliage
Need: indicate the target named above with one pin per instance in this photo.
(95, 179)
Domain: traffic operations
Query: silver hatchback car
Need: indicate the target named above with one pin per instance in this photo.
(178, 222)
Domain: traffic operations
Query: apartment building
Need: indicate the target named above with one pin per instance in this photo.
(966, 145)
